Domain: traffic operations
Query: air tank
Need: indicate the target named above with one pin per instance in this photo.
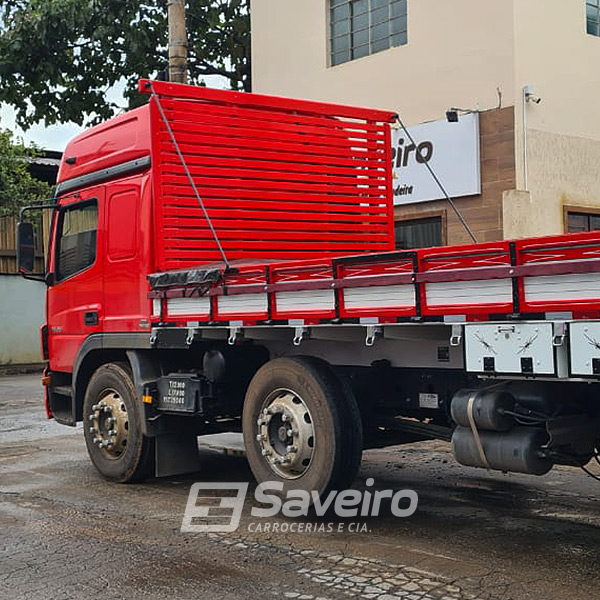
(488, 409)
(518, 450)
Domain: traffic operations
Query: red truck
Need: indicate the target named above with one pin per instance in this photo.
(222, 261)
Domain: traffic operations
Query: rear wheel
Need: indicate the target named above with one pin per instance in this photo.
(113, 426)
(301, 426)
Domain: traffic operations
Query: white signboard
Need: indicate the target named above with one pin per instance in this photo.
(452, 151)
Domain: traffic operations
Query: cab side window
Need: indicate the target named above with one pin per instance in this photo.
(78, 227)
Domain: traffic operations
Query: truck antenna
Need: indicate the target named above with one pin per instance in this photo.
(189, 176)
(439, 183)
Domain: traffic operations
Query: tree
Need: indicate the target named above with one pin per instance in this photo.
(58, 58)
(17, 186)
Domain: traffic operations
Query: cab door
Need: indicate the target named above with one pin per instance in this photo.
(75, 298)
(126, 307)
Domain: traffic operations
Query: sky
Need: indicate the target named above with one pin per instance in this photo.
(47, 138)
(56, 137)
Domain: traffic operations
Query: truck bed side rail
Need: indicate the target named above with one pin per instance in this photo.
(492, 280)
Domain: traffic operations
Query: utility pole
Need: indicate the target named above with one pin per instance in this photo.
(177, 41)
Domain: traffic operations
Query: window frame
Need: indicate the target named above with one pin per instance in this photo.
(352, 48)
(578, 210)
(595, 5)
(62, 210)
(430, 214)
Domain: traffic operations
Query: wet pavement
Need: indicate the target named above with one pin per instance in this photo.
(67, 533)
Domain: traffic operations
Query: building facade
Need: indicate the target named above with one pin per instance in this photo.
(527, 68)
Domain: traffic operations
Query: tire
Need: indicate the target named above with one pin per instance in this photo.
(336, 449)
(130, 455)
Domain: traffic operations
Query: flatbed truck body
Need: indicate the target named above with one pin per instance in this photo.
(221, 261)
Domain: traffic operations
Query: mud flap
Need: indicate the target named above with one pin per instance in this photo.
(176, 454)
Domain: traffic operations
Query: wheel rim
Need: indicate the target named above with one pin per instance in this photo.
(109, 424)
(286, 435)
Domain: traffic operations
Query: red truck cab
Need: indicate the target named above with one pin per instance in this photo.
(101, 252)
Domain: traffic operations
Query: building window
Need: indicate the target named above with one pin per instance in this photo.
(593, 17)
(576, 222)
(419, 233)
(362, 27)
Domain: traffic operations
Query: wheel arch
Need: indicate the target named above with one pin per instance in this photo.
(99, 349)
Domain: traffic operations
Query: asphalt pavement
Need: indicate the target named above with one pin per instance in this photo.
(65, 532)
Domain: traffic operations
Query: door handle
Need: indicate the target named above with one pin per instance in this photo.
(91, 317)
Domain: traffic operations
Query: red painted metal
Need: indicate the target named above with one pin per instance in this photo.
(297, 277)
(556, 256)
(247, 280)
(283, 179)
(451, 263)
(376, 273)
(68, 300)
(119, 140)
(543, 257)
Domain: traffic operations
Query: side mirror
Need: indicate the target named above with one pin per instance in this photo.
(25, 248)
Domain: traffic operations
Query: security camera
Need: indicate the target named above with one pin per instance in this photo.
(530, 96)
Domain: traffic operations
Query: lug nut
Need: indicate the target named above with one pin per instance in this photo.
(112, 432)
(91, 417)
(92, 430)
(284, 418)
(261, 438)
(266, 452)
(291, 449)
(107, 409)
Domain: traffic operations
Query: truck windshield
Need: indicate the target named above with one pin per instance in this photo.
(77, 242)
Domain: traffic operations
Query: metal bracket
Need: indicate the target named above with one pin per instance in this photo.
(299, 334)
(189, 340)
(456, 336)
(372, 332)
(560, 333)
(153, 337)
(234, 333)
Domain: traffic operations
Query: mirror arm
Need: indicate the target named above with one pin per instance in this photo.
(41, 278)
(36, 207)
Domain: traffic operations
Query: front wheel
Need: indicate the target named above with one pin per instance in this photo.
(113, 426)
(302, 427)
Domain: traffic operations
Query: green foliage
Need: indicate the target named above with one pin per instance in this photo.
(17, 186)
(59, 57)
